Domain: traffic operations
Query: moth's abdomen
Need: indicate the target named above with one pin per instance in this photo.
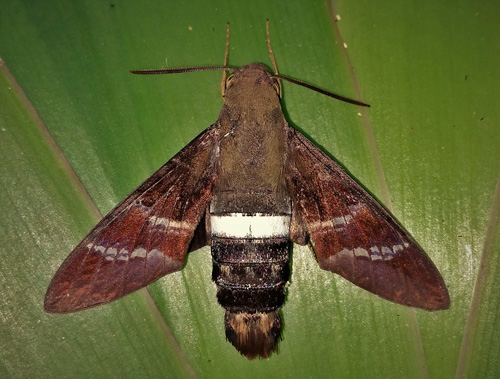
(250, 274)
(251, 268)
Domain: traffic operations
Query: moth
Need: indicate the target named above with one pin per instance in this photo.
(248, 186)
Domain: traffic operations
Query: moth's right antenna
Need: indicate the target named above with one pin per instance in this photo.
(271, 55)
(226, 55)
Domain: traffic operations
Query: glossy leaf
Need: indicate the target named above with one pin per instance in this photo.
(428, 148)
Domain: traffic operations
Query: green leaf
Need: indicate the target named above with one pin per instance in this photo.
(428, 148)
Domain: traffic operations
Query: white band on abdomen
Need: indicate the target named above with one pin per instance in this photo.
(242, 225)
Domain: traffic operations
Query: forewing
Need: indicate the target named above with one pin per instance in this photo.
(353, 235)
(144, 237)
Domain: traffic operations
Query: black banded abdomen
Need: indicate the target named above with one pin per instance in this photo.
(251, 274)
(250, 255)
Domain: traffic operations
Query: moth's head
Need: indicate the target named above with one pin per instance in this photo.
(252, 82)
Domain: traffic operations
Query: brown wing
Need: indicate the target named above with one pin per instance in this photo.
(353, 235)
(144, 237)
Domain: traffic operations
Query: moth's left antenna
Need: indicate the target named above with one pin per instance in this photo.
(179, 70)
(271, 55)
(226, 55)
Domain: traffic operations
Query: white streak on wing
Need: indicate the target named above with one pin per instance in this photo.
(320, 226)
(396, 249)
(360, 252)
(354, 208)
(376, 253)
(123, 255)
(342, 220)
(140, 252)
(155, 253)
(345, 251)
(240, 225)
(156, 221)
(337, 223)
(387, 253)
(98, 249)
(110, 254)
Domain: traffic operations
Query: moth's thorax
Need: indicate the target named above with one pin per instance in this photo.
(253, 146)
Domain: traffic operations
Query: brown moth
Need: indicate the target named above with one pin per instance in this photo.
(248, 186)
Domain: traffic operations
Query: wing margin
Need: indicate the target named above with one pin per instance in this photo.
(145, 237)
(353, 235)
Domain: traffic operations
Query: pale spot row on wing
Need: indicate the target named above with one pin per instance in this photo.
(168, 223)
(337, 223)
(112, 254)
(376, 253)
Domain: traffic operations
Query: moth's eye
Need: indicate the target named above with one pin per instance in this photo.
(229, 80)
